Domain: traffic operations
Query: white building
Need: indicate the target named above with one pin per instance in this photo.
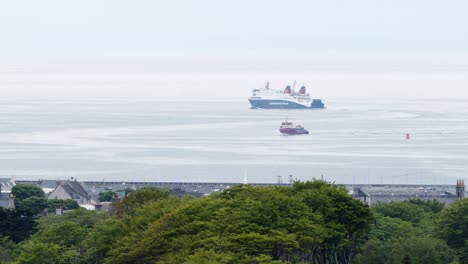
(6, 184)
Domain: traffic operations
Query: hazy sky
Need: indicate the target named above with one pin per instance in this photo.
(154, 49)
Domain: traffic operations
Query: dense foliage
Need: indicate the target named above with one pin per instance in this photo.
(106, 196)
(452, 226)
(58, 239)
(407, 232)
(310, 222)
(17, 225)
(29, 197)
(134, 200)
(67, 204)
(26, 191)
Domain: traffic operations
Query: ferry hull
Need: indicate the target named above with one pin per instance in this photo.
(284, 104)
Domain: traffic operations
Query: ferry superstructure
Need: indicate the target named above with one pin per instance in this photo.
(287, 99)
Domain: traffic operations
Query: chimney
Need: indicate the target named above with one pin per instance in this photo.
(11, 201)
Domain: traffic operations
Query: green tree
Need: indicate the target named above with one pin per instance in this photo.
(29, 197)
(385, 228)
(102, 238)
(118, 236)
(59, 238)
(67, 204)
(311, 222)
(83, 217)
(419, 250)
(35, 204)
(23, 191)
(66, 233)
(347, 220)
(17, 224)
(7, 249)
(138, 198)
(106, 196)
(34, 252)
(433, 205)
(452, 226)
(406, 211)
(404, 231)
(210, 257)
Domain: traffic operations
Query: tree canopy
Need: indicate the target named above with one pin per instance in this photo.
(67, 204)
(136, 199)
(16, 224)
(29, 197)
(308, 222)
(452, 226)
(24, 191)
(106, 196)
(404, 232)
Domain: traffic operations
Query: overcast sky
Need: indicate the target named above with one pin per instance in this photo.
(153, 49)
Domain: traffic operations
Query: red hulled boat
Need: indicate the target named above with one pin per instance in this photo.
(288, 128)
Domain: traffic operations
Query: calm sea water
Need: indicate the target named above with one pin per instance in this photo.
(361, 141)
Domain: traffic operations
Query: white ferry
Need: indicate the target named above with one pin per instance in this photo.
(287, 99)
